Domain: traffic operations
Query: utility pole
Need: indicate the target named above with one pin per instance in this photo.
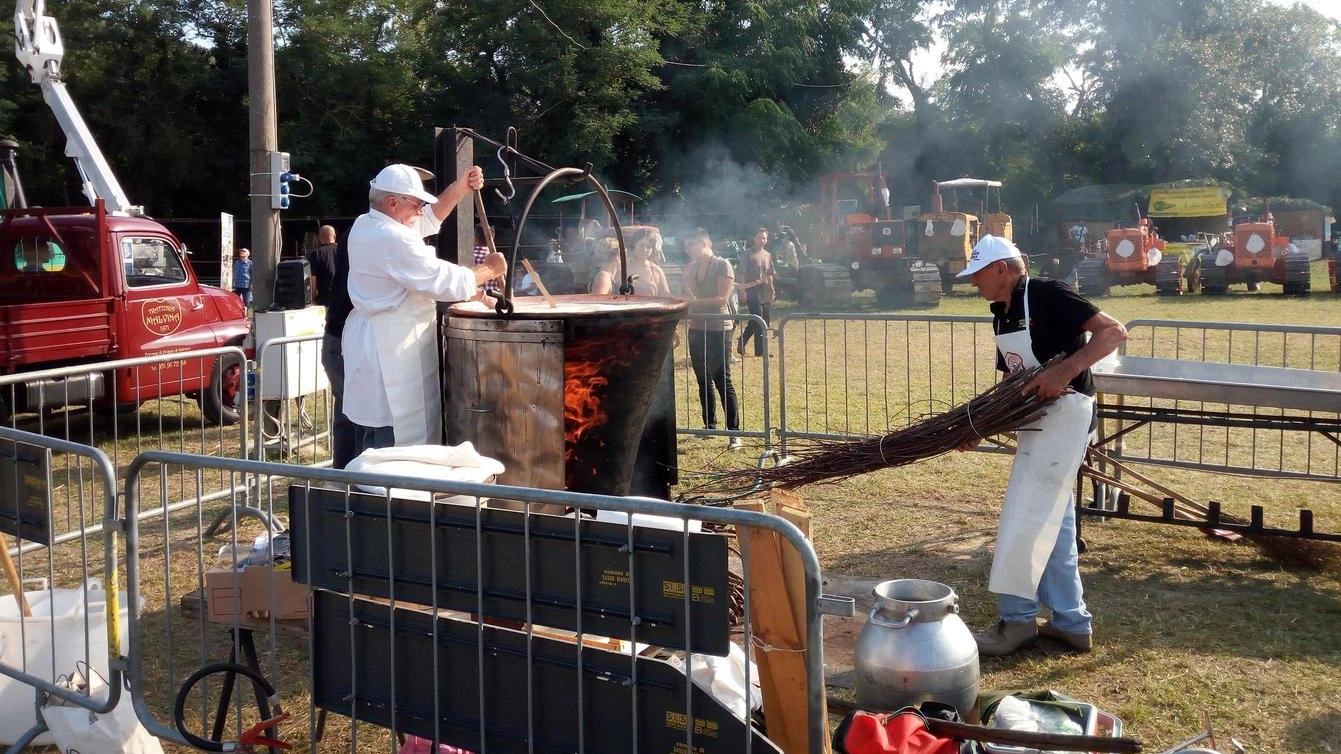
(262, 139)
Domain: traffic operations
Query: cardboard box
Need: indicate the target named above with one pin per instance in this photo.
(230, 595)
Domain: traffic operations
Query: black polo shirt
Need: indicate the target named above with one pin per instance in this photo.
(322, 262)
(1057, 317)
(338, 305)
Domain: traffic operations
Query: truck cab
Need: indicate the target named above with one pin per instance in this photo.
(79, 286)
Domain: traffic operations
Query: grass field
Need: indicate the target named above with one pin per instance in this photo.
(1184, 625)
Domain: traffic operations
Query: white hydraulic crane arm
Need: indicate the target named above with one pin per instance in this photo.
(39, 48)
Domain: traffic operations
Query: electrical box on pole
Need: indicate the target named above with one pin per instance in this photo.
(279, 180)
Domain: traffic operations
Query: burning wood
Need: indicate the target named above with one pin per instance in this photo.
(605, 398)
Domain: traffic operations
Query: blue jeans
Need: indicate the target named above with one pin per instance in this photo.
(342, 429)
(245, 294)
(1059, 589)
(373, 437)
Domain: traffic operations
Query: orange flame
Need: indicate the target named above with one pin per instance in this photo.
(597, 364)
(583, 411)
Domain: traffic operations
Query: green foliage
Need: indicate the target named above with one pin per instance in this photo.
(660, 95)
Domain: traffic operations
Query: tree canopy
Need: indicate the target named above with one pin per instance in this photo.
(703, 105)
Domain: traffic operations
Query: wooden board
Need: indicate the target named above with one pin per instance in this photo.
(776, 583)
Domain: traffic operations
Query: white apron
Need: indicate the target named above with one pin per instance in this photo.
(1048, 455)
(407, 354)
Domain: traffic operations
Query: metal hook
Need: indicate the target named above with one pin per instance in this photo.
(507, 178)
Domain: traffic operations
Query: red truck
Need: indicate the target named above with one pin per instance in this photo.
(81, 286)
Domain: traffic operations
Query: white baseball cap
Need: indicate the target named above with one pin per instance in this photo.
(405, 180)
(989, 249)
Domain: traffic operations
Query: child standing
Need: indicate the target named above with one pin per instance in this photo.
(242, 276)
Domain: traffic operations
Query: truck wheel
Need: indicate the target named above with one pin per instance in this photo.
(219, 402)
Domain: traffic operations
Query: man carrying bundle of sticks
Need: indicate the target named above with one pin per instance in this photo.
(1035, 562)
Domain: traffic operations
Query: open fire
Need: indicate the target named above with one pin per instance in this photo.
(610, 374)
(559, 394)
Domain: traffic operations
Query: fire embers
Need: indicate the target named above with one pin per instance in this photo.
(610, 373)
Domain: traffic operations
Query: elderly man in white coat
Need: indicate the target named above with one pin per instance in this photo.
(392, 386)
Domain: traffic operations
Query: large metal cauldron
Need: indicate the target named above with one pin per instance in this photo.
(915, 648)
(558, 395)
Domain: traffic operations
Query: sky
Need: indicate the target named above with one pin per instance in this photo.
(1325, 7)
(927, 62)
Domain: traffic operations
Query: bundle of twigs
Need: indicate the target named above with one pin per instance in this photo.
(1003, 408)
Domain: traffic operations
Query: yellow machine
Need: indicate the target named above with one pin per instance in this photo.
(945, 238)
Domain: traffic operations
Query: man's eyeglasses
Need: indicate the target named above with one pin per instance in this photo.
(418, 205)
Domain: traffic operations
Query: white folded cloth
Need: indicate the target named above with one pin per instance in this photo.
(456, 463)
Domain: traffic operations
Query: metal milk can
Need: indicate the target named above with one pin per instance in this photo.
(914, 647)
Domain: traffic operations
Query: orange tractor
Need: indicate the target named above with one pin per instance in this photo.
(855, 229)
(1131, 256)
(1252, 254)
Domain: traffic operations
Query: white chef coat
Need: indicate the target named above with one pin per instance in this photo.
(388, 264)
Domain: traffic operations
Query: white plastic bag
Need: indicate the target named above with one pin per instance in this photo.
(77, 729)
(1013, 713)
(67, 629)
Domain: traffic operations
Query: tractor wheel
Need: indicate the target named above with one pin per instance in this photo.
(1214, 280)
(927, 283)
(810, 287)
(219, 401)
(1092, 278)
(1169, 277)
(895, 292)
(1192, 275)
(1298, 277)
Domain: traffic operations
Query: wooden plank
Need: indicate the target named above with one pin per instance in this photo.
(791, 507)
(781, 657)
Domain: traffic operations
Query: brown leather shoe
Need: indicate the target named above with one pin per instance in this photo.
(1005, 637)
(1078, 642)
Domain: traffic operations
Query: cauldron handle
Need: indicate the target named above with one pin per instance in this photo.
(879, 620)
(504, 305)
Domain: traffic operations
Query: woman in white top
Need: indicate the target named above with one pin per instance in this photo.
(648, 277)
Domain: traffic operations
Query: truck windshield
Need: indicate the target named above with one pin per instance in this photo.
(151, 261)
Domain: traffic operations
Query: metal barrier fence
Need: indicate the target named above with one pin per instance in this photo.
(290, 377)
(751, 384)
(66, 620)
(862, 374)
(171, 409)
(1254, 438)
(394, 648)
(166, 410)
